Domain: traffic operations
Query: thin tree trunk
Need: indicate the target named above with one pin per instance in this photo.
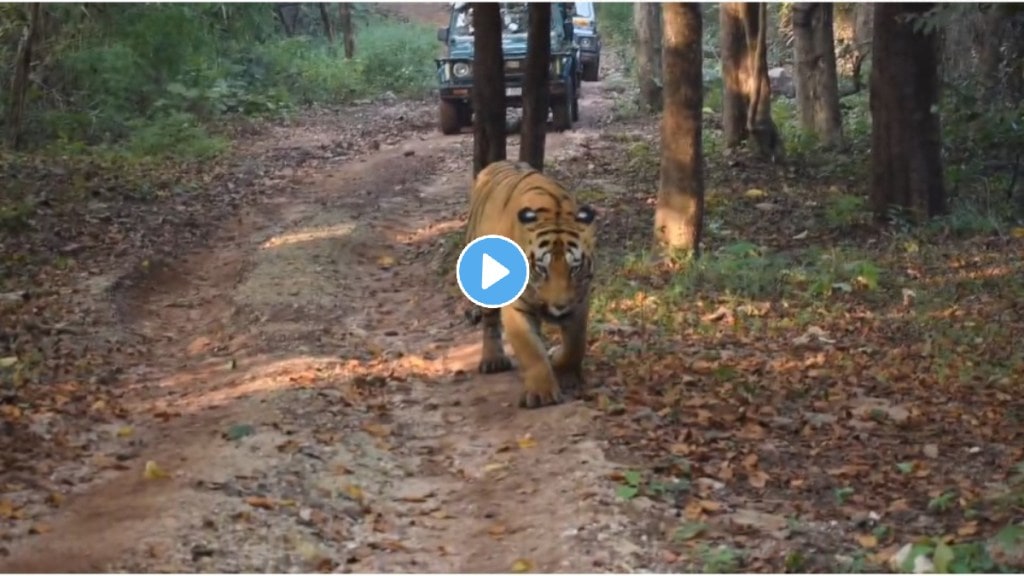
(326, 19)
(646, 22)
(817, 88)
(906, 135)
(22, 68)
(735, 75)
(347, 33)
(862, 22)
(488, 87)
(747, 97)
(535, 86)
(287, 23)
(679, 216)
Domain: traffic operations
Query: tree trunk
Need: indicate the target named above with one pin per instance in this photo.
(906, 143)
(646, 22)
(535, 85)
(488, 87)
(679, 216)
(347, 33)
(817, 88)
(747, 98)
(328, 26)
(990, 42)
(22, 68)
(863, 15)
(287, 23)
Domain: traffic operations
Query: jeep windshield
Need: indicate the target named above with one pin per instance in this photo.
(513, 19)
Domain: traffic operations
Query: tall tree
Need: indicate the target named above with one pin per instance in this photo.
(817, 88)
(535, 85)
(325, 18)
(348, 38)
(22, 67)
(488, 87)
(747, 98)
(906, 135)
(647, 28)
(679, 216)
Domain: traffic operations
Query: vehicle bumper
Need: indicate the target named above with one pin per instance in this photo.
(513, 93)
(589, 56)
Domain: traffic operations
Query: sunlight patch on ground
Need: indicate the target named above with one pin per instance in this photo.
(430, 232)
(327, 232)
(219, 381)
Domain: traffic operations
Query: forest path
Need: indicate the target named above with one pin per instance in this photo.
(331, 417)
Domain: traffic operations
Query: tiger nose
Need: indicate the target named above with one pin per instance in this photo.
(559, 311)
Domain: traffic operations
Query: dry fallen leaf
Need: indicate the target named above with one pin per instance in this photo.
(526, 441)
(55, 499)
(354, 492)
(497, 530)
(39, 529)
(7, 510)
(493, 466)
(867, 540)
(125, 431)
(378, 430)
(522, 565)
(260, 502)
(154, 472)
(969, 529)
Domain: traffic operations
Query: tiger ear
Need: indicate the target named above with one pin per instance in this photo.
(527, 215)
(585, 214)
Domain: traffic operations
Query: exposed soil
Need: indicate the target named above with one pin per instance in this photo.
(311, 394)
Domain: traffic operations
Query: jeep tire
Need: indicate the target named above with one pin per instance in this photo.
(561, 109)
(590, 70)
(451, 117)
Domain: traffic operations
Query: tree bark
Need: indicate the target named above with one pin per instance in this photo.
(347, 33)
(863, 16)
(326, 19)
(817, 88)
(747, 96)
(535, 86)
(906, 138)
(22, 68)
(647, 25)
(287, 23)
(488, 87)
(679, 216)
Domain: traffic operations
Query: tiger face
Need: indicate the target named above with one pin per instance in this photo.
(559, 248)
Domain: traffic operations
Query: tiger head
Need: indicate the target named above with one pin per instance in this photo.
(559, 243)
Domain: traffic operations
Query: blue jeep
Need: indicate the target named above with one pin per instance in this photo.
(455, 70)
(584, 21)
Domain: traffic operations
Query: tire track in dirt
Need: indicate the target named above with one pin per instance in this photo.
(323, 325)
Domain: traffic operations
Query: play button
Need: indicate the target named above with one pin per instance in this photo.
(492, 271)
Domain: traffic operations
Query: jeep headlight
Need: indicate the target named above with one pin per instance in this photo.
(586, 42)
(461, 69)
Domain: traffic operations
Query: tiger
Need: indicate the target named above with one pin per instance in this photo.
(558, 234)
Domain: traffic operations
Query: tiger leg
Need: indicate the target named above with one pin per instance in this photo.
(540, 387)
(567, 359)
(492, 357)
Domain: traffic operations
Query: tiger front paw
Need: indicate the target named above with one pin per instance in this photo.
(495, 364)
(570, 377)
(540, 392)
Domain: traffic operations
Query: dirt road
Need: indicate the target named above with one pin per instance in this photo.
(331, 416)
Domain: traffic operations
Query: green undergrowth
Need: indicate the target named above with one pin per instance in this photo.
(153, 80)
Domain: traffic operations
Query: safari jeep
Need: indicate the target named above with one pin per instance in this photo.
(584, 21)
(455, 71)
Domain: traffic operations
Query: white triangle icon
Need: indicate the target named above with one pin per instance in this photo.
(491, 272)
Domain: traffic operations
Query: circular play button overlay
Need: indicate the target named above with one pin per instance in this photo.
(492, 271)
